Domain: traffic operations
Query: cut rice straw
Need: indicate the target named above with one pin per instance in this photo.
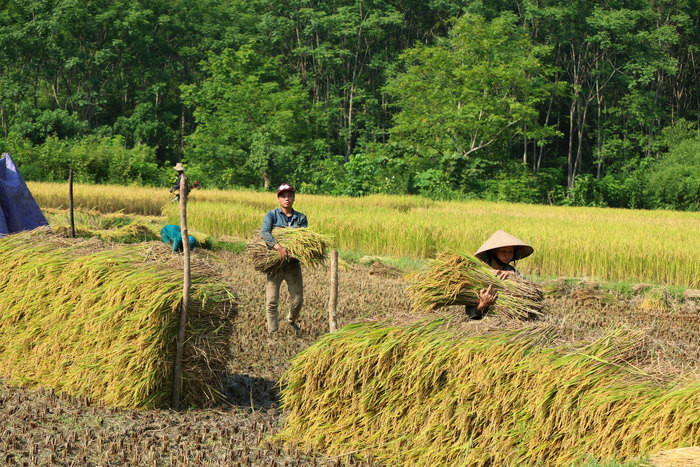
(456, 278)
(101, 321)
(310, 248)
(421, 395)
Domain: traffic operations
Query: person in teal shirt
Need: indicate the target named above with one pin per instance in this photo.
(172, 233)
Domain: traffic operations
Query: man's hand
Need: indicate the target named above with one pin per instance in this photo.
(487, 297)
(281, 251)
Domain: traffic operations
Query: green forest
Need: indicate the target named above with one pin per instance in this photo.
(576, 102)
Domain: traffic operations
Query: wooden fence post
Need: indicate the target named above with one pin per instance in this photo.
(177, 383)
(333, 300)
(70, 202)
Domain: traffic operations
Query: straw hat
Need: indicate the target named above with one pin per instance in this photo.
(502, 239)
(179, 167)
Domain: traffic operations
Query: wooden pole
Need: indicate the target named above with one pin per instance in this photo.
(70, 201)
(333, 301)
(177, 384)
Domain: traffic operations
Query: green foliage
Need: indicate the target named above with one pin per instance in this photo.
(434, 184)
(352, 97)
(611, 191)
(93, 160)
(674, 182)
(41, 124)
(471, 90)
(251, 121)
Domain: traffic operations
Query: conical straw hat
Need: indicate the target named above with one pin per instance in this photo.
(500, 239)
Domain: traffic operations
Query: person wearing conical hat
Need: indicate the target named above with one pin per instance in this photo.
(180, 169)
(499, 251)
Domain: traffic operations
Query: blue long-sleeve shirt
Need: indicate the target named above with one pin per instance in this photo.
(277, 218)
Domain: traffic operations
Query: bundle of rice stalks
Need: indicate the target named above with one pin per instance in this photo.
(456, 279)
(129, 233)
(90, 320)
(420, 395)
(657, 299)
(309, 247)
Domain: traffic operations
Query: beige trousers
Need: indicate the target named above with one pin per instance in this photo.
(291, 274)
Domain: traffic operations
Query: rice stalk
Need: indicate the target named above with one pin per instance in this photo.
(420, 395)
(456, 279)
(307, 246)
(98, 321)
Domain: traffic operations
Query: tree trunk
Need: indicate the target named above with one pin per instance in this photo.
(570, 155)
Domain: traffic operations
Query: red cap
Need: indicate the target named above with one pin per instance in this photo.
(285, 187)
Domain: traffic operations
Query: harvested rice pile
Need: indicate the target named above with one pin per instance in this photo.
(419, 395)
(134, 232)
(456, 279)
(309, 247)
(102, 322)
(130, 233)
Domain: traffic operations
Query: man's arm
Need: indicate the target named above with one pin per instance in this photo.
(266, 229)
(304, 222)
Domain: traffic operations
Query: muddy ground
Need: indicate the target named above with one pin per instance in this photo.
(40, 427)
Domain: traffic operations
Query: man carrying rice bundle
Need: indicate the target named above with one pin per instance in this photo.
(498, 252)
(284, 216)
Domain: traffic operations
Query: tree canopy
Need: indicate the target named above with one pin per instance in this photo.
(543, 101)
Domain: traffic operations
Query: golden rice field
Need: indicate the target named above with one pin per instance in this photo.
(602, 243)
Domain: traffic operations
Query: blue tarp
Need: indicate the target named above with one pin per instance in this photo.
(18, 209)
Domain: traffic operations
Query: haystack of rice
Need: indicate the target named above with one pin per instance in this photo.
(101, 320)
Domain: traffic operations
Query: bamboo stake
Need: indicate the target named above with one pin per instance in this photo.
(177, 385)
(333, 301)
(70, 201)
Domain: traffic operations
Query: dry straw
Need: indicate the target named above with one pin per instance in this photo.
(420, 395)
(456, 279)
(309, 247)
(102, 322)
(130, 233)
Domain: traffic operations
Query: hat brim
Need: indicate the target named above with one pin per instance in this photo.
(501, 239)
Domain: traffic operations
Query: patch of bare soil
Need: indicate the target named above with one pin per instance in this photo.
(40, 427)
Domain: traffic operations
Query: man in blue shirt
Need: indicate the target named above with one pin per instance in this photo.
(284, 216)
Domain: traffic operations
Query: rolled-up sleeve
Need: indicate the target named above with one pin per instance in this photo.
(266, 229)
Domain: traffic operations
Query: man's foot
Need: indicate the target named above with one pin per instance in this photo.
(294, 326)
